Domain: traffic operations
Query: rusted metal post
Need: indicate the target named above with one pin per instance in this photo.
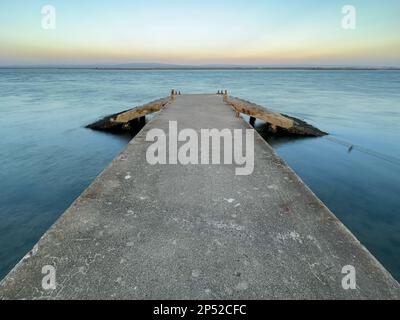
(173, 94)
(225, 95)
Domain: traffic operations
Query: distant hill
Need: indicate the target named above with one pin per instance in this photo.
(165, 66)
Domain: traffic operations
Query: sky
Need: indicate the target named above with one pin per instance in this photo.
(256, 32)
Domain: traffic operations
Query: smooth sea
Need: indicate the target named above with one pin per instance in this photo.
(47, 157)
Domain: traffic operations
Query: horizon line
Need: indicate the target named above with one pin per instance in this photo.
(166, 66)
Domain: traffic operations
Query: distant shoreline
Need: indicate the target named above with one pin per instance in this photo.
(204, 68)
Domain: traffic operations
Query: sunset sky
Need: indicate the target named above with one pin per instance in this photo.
(258, 32)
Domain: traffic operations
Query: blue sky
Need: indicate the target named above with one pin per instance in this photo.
(201, 32)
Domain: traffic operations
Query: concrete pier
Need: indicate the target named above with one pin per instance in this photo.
(144, 231)
(126, 120)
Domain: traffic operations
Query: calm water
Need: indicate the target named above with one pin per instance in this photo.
(47, 158)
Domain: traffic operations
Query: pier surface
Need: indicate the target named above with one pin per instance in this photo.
(198, 231)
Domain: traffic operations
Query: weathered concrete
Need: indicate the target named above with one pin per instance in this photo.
(198, 232)
(125, 121)
(274, 119)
